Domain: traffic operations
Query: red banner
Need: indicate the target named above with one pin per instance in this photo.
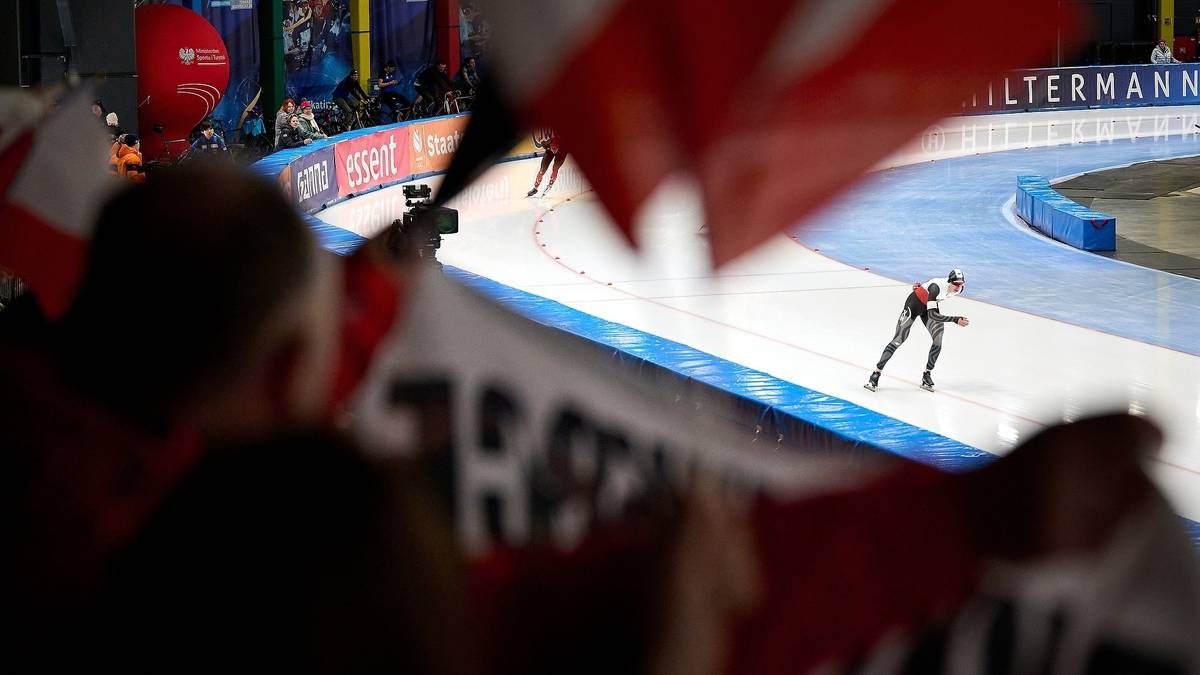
(373, 160)
(183, 71)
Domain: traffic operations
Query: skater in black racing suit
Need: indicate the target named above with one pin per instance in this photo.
(923, 303)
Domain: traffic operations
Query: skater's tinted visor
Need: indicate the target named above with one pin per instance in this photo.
(956, 284)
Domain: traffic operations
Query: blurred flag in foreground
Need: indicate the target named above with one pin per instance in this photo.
(53, 182)
(773, 107)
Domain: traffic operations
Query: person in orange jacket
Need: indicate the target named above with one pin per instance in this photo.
(129, 159)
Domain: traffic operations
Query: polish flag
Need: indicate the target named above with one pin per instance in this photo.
(53, 181)
(783, 103)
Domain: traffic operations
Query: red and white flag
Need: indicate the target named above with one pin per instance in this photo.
(53, 181)
(780, 102)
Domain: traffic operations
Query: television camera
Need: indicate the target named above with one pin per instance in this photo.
(419, 231)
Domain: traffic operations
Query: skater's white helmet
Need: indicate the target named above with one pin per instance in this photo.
(956, 276)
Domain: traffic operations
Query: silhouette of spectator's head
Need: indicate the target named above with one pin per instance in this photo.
(206, 303)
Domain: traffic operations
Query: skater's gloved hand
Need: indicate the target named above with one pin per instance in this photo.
(963, 321)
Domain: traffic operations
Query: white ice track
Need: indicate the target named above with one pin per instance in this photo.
(804, 318)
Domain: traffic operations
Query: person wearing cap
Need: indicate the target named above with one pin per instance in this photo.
(349, 96)
(923, 302)
(308, 122)
(209, 140)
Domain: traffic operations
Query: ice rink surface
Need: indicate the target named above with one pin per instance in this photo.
(1055, 333)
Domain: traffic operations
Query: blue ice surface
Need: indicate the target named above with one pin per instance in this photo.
(918, 221)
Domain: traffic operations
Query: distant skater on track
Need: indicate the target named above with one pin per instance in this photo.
(549, 141)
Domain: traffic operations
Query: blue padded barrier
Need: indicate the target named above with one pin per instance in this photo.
(1060, 218)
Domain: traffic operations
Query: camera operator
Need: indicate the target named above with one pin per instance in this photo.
(417, 233)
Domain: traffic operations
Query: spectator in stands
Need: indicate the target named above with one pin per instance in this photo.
(467, 81)
(1161, 54)
(113, 125)
(389, 91)
(309, 128)
(281, 118)
(249, 351)
(115, 154)
(129, 159)
(210, 140)
(292, 135)
(433, 85)
(101, 114)
(349, 96)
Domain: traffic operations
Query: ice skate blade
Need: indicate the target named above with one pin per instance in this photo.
(869, 387)
(926, 387)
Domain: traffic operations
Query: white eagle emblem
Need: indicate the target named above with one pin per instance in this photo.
(187, 56)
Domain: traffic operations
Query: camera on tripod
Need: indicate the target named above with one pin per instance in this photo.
(419, 231)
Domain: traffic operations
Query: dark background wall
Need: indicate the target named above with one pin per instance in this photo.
(33, 52)
(1122, 31)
